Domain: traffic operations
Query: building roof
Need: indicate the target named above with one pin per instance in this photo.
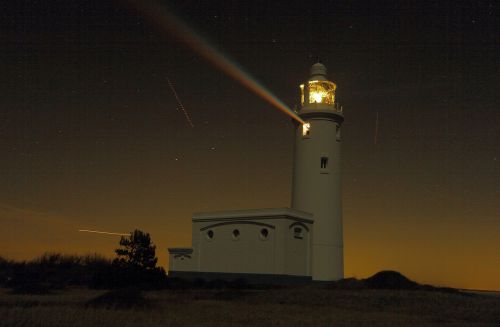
(268, 213)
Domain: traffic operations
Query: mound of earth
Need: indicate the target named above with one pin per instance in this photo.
(389, 279)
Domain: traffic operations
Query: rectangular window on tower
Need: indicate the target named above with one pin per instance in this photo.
(323, 164)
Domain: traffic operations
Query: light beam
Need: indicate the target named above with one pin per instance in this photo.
(163, 18)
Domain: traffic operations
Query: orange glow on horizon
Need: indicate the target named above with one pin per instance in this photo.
(431, 262)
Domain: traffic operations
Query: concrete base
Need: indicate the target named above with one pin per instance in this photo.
(269, 279)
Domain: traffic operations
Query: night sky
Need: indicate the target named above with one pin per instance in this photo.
(91, 135)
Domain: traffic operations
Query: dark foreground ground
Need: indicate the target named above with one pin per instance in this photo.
(298, 306)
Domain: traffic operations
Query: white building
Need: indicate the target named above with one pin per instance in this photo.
(285, 244)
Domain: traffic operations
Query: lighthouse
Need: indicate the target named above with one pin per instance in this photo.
(281, 245)
(316, 186)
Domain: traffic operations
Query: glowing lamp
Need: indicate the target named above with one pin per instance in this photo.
(321, 92)
(306, 128)
(318, 90)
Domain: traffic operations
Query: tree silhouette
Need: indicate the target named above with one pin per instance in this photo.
(136, 251)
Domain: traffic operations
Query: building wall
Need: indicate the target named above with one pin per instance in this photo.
(298, 249)
(248, 252)
(259, 241)
(317, 189)
(180, 262)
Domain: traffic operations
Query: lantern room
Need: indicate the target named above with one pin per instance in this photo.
(318, 90)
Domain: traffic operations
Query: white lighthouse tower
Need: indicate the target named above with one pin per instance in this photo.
(281, 245)
(316, 177)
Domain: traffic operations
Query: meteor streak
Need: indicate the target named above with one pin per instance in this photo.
(178, 29)
(180, 103)
(100, 232)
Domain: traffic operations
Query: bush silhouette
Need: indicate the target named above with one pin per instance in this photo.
(136, 251)
(135, 263)
(53, 271)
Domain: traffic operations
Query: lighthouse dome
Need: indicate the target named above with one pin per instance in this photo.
(318, 69)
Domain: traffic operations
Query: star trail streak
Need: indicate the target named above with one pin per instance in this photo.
(188, 118)
(101, 232)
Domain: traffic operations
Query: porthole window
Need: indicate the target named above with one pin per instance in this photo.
(264, 234)
(236, 234)
(210, 235)
(298, 233)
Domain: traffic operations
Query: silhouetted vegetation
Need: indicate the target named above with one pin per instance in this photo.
(53, 271)
(135, 265)
(136, 251)
(56, 271)
(133, 294)
(135, 269)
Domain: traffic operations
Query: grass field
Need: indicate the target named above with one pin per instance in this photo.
(299, 306)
